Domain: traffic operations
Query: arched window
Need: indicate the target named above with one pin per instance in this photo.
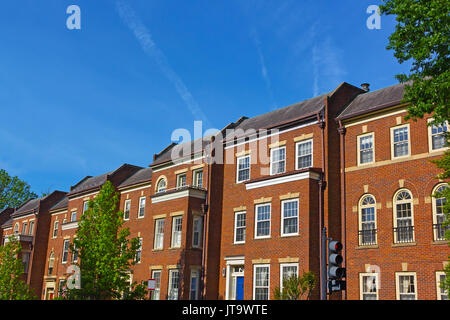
(367, 221)
(438, 212)
(162, 185)
(51, 262)
(16, 228)
(403, 217)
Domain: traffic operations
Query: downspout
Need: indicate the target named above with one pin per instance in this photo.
(342, 132)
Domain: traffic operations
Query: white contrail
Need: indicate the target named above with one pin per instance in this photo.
(144, 38)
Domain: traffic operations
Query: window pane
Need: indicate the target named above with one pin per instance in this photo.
(263, 221)
(290, 217)
(304, 155)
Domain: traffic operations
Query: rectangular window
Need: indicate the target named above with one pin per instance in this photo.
(366, 149)
(30, 229)
(126, 210)
(141, 207)
(74, 254)
(239, 227)
(437, 136)
(368, 286)
(55, 229)
(277, 160)
(85, 206)
(261, 276)
(198, 178)
(400, 141)
(289, 217)
(287, 270)
(243, 168)
(73, 216)
(159, 234)
(139, 252)
(174, 281)
(181, 180)
(197, 232)
(176, 231)
(441, 293)
(65, 253)
(262, 224)
(156, 274)
(26, 261)
(304, 154)
(195, 279)
(24, 228)
(406, 286)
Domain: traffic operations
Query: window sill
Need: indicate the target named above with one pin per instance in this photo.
(408, 244)
(174, 248)
(156, 250)
(362, 247)
(238, 243)
(289, 235)
(262, 238)
(439, 242)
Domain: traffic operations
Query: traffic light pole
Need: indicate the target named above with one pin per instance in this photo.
(323, 265)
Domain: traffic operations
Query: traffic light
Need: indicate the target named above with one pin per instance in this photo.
(335, 271)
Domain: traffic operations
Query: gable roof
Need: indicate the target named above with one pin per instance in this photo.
(60, 204)
(142, 175)
(27, 206)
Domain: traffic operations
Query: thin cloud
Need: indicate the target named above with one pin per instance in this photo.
(142, 34)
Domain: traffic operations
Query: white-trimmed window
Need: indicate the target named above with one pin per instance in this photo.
(287, 270)
(400, 142)
(174, 282)
(141, 212)
(262, 220)
(51, 263)
(436, 136)
(181, 180)
(197, 231)
(403, 217)
(73, 216)
(65, 253)
(304, 151)
(406, 285)
(277, 160)
(74, 254)
(159, 234)
(243, 168)
(24, 227)
(138, 257)
(198, 178)
(289, 217)
(16, 228)
(126, 210)
(261, 281)
(366, 148)
(367, 221)
(194, 287)
(162, 185)
(368, 286)
(156, 274)
(239, 226)
(31, 228)
(441, 293)
(26, 261)
(176, 231)
(85, 205)
(55, 229)
(438, 213)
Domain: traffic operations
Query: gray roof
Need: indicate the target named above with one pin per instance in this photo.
(61, 204)
(27, 206)
(372, 101)
(8, 223)
(193, 146)
(140, 176)
(89, 183)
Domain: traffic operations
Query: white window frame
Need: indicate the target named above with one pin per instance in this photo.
(199, 231)
(360, 222)
(196, 273)
(283, 218)
(236, 227)
(65, 251)
(179, 179)
(24, 227)
(395, 202)
(282, 265)
(31, 228)
(74, 254)
(127, 207)
(272, 151)
(434, 208)
(16, 228)
(397, 283)
(72, 215)
(361, 284)
(392, 141)
(55, 229)
(171, 272)
(139, 251)
(85, 205)
(249, 168)
(256, 266)
(175, 233)
(156, 237)
(157, 290)
(438, 285)
(297, 156)
(160, 188)
(358, 142)
(256, 220)
(141, 209)
(196, 181)
(430, 137)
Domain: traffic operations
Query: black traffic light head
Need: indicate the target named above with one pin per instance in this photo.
(335, 259)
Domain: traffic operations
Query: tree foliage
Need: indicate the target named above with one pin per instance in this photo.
(12, 285)
(105, 253)
(13, 191)
(422, 36)
(294, 288)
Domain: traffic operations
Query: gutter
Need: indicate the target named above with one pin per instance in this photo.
(342, 130)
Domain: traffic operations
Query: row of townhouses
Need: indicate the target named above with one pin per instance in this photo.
(234, 229)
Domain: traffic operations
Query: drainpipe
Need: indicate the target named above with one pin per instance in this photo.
(342, 131)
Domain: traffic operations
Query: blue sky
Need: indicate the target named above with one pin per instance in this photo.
(82, 102)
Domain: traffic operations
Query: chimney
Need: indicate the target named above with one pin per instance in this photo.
(365, 87)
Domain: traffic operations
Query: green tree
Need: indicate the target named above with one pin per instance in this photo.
(12, 285)
(422, 36)
(294, 288)
(105, 254)
(13, 191)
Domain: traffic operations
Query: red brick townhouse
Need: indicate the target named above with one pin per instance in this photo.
(280, 187)
(30, 223)
(64, 222)
(5, 215)
(393, 234)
